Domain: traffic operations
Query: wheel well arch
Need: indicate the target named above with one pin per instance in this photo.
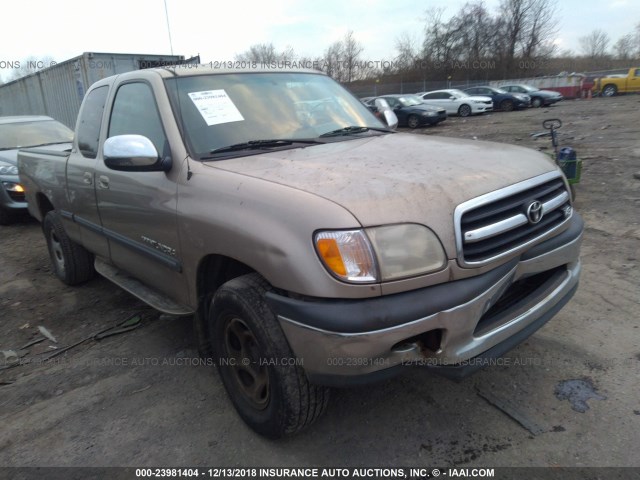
(44, 204)
(214, 270)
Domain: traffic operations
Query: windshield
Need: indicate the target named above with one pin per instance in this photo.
(499, 90)
(31, 134)
(221, 110)
(529, 89)
(410, 101)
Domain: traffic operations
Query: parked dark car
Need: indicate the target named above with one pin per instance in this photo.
(538, 97)
(21, 132)
(410, 110)
(502, 100)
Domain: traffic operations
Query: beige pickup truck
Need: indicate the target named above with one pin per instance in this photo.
(314, 246)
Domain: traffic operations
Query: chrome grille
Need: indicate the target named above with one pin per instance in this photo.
(506, 221)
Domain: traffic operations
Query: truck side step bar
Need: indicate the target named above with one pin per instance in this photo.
(140, 290)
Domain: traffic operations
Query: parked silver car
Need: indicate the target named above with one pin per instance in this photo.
(20, 132)
(457, 102)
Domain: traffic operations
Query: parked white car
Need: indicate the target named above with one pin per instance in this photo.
(457, 102)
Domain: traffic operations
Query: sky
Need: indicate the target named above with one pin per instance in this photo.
(217, 31)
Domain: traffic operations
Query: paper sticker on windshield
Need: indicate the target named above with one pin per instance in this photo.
(216, 107)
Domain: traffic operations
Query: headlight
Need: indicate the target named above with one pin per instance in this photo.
(13, 187)
(406, 250)
(7, 169)
(431, 114)
(380, 253)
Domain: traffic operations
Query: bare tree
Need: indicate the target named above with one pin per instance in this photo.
(515, 15)
(539, 29)
(352, 51)
(265, 53)
(594, 45)
(407, 51)
(440, 43)
(30, 65)
(527, 29)
(342, 60)
(332, 61)
(624, 47)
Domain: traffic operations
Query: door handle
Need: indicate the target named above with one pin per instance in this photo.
(87, 178)
(103, 181)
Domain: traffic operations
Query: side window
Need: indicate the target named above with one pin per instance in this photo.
(135, 113)
(637, 72)
(91, 121)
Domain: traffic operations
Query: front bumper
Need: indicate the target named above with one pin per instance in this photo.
(481, 108)
(449, 327)
(434, 120)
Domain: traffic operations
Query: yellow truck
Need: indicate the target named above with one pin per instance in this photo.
(614, 84)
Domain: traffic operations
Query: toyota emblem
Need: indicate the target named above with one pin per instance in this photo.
(534, 212)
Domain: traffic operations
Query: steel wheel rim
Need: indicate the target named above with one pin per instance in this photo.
(413, 121)
(250, 375)
(465, 110)
(56, 252)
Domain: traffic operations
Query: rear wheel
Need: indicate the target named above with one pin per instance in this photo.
(536, 102)
(266, 385)
(464, 110)
(506, 105)
(413, 121)
(71, 262)
(609, 91)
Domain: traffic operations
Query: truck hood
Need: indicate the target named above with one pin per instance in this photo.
(397, 178)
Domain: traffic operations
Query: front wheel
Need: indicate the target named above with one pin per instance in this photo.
(464, 110)
(609, 91)
(71, 262)
(536, 102)
(506, 105)
(265, 382)
(413, 121)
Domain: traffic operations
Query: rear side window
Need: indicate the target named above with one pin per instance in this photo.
(91, 121)
(135, 113)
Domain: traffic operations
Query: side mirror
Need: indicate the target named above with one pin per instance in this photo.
(133, 153)
(386, 114)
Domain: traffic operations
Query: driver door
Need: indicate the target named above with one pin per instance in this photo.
(138, 208)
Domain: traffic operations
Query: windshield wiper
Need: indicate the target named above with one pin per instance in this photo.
(352, 131)
(257, 144)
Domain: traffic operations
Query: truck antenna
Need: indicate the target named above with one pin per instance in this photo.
(166, 15)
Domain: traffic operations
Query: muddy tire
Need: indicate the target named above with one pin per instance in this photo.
(274, 399)
(71, 262)
(413, 121)
(609, 91)
(506, 105)
(464, 110)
